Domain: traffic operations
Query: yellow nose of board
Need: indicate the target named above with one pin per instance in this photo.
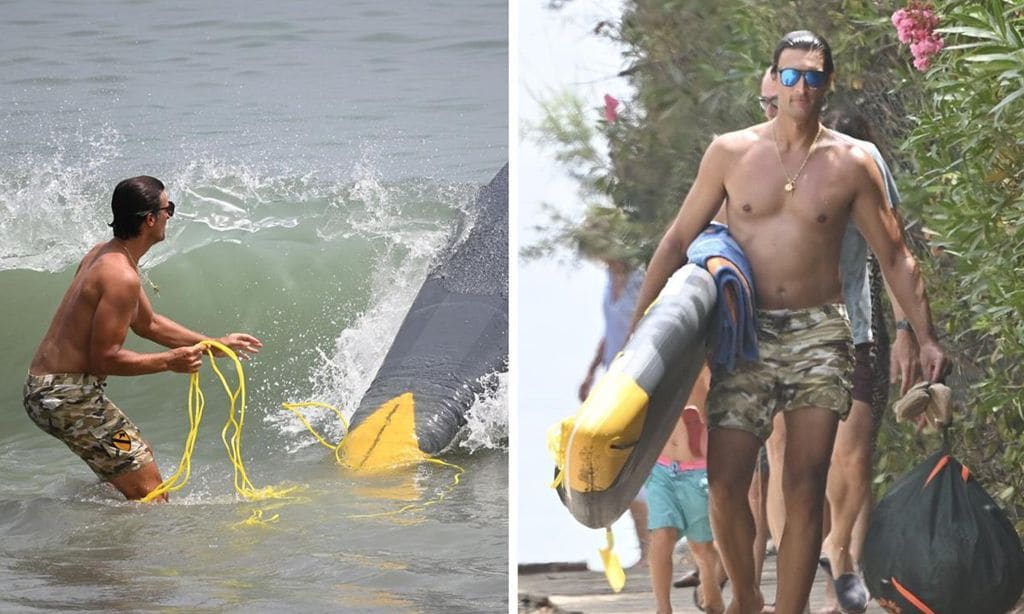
(601, 437)
(386, 438)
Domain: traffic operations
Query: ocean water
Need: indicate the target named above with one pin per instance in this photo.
(321, 154)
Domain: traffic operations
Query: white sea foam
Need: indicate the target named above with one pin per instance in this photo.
(406, 249)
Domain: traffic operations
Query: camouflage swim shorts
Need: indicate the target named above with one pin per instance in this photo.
(806, 360)
(73, 408)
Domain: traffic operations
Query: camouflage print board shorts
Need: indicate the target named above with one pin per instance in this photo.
(73, 408)
(806, 360)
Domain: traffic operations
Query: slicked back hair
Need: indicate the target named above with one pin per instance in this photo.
(808, 41)
(133, 197)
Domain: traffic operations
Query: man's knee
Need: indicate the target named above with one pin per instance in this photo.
(805, 481)
(728, 486)
(137, 484)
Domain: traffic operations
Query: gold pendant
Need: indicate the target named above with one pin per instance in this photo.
(790, 186)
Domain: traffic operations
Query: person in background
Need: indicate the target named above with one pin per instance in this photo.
(617, 304)
(849, 480)
(677, 498)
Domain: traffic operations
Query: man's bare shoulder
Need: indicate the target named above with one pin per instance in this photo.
(110, 270)
(846, 150)
(739, 141)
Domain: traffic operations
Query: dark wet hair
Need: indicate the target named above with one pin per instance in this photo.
(808, 41)
(852, 123)
(133, 197)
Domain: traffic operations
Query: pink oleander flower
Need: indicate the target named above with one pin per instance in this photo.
(915, 27)
(610, 104)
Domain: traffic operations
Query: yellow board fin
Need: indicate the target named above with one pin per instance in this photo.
(385, 439)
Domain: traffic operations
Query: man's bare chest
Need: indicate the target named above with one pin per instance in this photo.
(820, 195)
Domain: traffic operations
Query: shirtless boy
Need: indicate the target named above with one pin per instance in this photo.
(677, 500)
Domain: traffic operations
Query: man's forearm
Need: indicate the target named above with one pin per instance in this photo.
(127, 362)
(905, 285)
(169, 333)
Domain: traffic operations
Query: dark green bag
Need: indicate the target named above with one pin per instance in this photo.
(938, 543)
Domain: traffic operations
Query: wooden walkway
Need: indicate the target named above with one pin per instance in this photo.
(588, 592)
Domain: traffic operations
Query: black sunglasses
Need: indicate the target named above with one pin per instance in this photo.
(169, 209)
(768, 101)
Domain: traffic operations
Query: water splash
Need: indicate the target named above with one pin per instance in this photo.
(487, 421)
(51, 209)
(407, 243)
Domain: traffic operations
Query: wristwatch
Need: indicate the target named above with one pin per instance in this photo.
(904, 325)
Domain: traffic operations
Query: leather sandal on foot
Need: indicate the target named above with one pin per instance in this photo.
(690, 578)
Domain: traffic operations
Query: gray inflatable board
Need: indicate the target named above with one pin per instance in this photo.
(455, 332)
(663, 357)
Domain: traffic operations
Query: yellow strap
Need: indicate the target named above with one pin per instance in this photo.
(559, 478)
(612, 567)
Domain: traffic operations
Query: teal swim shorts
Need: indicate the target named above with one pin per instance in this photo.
(679, 499)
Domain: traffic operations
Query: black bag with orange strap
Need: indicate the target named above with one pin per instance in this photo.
(938, 544)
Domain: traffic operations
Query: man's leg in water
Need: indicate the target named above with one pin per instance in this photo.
(137, 484)
(731, 456)
(810, 433)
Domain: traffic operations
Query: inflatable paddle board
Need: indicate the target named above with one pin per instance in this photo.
(454, 334)
(606, 451)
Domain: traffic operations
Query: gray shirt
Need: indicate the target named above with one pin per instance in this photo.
(854, 252)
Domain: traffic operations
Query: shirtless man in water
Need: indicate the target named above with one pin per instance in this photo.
(677, 499)
(64, 393)
(790, 186)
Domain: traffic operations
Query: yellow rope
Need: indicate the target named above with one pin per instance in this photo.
(233, 444)
(294, 408)
(231, 435)
(257, 520)
(412, 506)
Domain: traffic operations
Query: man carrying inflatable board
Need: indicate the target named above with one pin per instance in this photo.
(789, 187)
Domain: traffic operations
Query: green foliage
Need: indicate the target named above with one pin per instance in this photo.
(954, 136)
(696, 67)
(968, 147)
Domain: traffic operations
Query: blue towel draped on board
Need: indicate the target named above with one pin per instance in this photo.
(736, 337)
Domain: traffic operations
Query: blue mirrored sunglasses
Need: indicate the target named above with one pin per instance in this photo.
(813, 78)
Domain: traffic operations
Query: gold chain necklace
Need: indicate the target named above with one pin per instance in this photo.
(143, 276)
(791, 181)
